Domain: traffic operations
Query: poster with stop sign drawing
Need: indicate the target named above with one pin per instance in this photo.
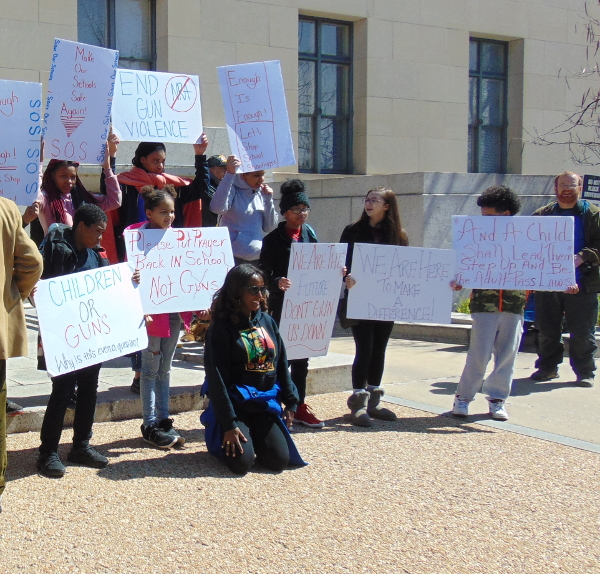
(20, 129)
(157, 106)
(79, 101)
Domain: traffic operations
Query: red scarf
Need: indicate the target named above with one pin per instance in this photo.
(138, 178)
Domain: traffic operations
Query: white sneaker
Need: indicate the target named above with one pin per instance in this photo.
(461, 407)
(497, 410)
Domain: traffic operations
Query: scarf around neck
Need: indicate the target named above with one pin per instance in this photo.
(138, 178)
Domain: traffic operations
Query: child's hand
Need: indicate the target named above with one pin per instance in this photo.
(31, 212)
(232, 164)
(148, 318)
(350, 281)
(113, 144)
(284, 283)
(136, 276)
(265, 189)
(455, 286)
(201, 144)
(203, 315)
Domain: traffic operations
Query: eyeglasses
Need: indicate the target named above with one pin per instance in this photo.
(369, 201)
(254, 290)
(299, 210)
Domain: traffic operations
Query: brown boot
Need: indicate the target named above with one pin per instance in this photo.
(376, 411)
(357, 403)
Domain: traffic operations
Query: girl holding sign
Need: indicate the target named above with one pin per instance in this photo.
(379, 223)
(274, 260)
(163, 333)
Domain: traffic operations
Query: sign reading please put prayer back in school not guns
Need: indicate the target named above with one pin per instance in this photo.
(256, 115)
(79, 101)
(522, 252)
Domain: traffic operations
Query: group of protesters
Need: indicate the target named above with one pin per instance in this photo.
(255, 394)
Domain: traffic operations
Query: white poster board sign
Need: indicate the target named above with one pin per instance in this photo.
(256, 115)
(410, 284)
(180, 268)
(157, 106)
(20, 139)
(89, 317)
(80, 94)
(310, 305)
(514, 252)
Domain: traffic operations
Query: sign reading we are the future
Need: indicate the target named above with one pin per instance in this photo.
(89, 317)
(310, 304)
(20, 139)
(79, 101)
(256, 115)
(157, 106)
(180, 268)
(395, 283)
(523, 252)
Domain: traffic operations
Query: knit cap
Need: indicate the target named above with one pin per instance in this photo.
(292, 193)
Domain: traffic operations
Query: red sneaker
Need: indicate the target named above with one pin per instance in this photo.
(305, 416)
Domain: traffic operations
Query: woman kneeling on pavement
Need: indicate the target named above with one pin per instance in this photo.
(247, 379)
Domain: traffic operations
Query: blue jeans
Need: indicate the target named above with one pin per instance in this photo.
(156, 371)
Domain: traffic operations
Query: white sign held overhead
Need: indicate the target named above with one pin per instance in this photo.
(180, 268)
(524, 252)
(20, 140)
(79, 101)
(394, 283)
(310, 305)
(256, 115)
(89, 317)
(157, 106)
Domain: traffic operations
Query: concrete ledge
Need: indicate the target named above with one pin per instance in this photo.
(458, 334)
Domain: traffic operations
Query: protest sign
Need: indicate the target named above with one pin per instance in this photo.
(180, 268)
(256, 115)
(80, 94)
(89, 317)
(155, 106)
(394, 283)
(514, 252)
(591, 188)
(20, 134)
(310, 305)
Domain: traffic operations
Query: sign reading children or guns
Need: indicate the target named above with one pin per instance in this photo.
(180, 268)
(310, 305)
(529, 252)
(394, 283)
(20, 137)
(79, 101)
(89, 317)
(256, 115)
(155, 106)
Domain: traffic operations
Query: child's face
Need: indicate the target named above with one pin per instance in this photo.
(296, 220)
(162, 216)
(492, 211)
(65, 178)
(154, 162)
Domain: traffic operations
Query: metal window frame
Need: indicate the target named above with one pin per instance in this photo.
(480, 75)
(318, 59)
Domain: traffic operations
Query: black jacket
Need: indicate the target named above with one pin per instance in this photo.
(209, 219)
(129, 212)
(59, 254)
(226, 360)
(275, 260)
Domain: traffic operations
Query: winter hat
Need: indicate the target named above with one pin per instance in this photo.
(292, 193)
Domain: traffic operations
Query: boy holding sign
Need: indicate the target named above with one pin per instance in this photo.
(497, 327)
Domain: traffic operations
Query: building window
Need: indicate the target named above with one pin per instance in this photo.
(488, 71)
(124, 25)
(325, 96)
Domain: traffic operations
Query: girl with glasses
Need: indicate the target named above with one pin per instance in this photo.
(294, 205)
(247, 378)
(379, 223)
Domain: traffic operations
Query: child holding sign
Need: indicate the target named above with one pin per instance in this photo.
(497, 326)
(379, 223)
(163, 332)
(275, 260)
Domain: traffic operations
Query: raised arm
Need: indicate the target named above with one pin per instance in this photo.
(223, 197)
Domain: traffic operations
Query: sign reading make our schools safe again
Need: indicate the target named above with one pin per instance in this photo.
(180, 268)
(20, 138)
(157, 106)
(522, 252)
(89, 317)
(256, 115)
(79, 101)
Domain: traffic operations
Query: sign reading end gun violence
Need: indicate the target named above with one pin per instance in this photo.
(89, 317)
(180, 268)
(394, 283)
(534, 252)
(310, 304)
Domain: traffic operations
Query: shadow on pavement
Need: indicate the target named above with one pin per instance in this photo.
(443, 388)
(525, 386)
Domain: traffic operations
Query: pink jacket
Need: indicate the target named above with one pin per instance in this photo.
(159, 326)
